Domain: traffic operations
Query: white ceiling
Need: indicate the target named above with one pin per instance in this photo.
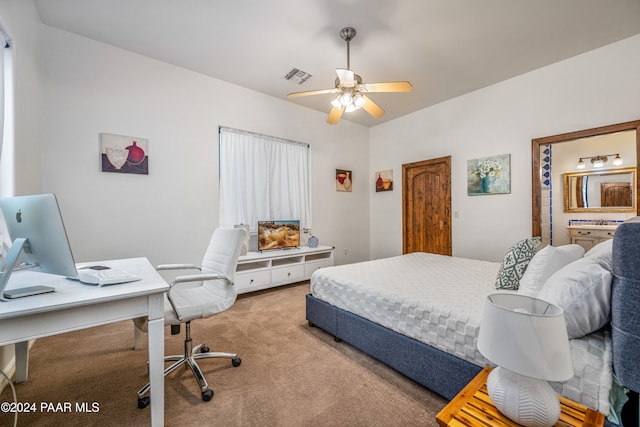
(445, 48)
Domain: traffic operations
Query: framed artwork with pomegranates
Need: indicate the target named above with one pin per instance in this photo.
(124, 154)
(343, 180)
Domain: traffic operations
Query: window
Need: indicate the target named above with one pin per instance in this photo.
(262, 178)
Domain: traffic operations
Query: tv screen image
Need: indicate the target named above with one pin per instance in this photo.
(278, 234)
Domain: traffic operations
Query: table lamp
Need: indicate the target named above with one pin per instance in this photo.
(527, 339)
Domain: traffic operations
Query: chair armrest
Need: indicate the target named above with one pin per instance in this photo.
(199, 277)
(192, 278)
(177, 267)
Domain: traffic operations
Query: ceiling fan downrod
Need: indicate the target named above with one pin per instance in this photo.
(347, 34)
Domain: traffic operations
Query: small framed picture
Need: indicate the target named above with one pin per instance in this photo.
(383, 180)
(343, 180)
(124, 154)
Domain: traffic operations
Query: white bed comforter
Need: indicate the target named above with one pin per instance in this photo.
(438, 300)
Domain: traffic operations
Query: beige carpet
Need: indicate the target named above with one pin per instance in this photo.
(291, 375)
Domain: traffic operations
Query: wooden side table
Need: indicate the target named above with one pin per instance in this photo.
(473, 407)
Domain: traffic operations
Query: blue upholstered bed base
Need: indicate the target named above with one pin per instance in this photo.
(438, 371)
(625, 304)
(447, 375)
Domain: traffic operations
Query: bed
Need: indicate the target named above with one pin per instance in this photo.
(428, 332)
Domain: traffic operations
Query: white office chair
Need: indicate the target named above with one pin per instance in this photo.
(198, 296)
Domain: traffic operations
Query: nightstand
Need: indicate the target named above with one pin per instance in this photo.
(473, 407)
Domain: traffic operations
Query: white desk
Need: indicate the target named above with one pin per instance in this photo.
(77, 306)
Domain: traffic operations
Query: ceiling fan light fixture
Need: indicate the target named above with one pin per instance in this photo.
(336, 102)
(346, 99)
(359, 100)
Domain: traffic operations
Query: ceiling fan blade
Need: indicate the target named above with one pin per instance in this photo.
(346, 77)
(334, 115)
(372, 108)
(313, 92)
(388, 87)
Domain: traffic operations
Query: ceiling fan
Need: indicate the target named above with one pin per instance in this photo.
(351, 91)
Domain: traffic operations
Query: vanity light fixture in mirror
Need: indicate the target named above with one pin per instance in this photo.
(602, 191)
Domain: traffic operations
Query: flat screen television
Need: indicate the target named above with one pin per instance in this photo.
(278, 234)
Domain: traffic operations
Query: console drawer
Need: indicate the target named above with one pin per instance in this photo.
(289, 274)
(252, 279)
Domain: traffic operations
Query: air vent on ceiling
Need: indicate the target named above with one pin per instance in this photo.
(298, 76)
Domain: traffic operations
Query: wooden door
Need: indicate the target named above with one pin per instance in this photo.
(426, 206)
(615, 194)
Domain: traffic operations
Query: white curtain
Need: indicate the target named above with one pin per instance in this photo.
(5, 171)
(262, 178)
(4, 53)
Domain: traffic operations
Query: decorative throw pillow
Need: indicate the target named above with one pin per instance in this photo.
(515, 262)
(583, 290)
(544, 263)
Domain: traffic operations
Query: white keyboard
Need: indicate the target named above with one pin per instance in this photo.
(110, 276)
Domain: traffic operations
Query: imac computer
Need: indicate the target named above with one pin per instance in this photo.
(40, 243)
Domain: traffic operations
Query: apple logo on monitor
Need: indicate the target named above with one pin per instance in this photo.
(19, 216)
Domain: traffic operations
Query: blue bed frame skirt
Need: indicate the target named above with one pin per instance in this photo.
(438, 371)
(433, 368)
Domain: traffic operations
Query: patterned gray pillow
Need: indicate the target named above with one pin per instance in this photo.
(515, 262)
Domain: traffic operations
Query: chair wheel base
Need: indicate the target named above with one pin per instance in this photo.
(207, 395)
(236, 362)
(143, 402)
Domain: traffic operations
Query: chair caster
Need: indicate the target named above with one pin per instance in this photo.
(204, 349)
(207, 395)
(236, 362)
(143, 402)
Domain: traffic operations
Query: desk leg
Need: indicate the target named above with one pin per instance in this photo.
(22, 361)
(156, 370)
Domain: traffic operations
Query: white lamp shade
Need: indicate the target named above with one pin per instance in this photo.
(525, 335)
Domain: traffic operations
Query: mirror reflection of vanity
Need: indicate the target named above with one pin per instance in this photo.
(556, 158)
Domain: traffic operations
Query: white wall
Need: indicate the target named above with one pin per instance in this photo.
(594, 89)
(168, 215)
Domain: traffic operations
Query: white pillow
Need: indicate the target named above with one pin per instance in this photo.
(544, 263)
(583, 290)
(602, 252)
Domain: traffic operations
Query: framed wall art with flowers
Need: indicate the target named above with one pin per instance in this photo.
(489, 175)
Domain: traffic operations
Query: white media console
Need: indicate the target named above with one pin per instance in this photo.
(261, 270)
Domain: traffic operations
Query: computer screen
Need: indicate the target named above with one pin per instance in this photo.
(37, 218)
